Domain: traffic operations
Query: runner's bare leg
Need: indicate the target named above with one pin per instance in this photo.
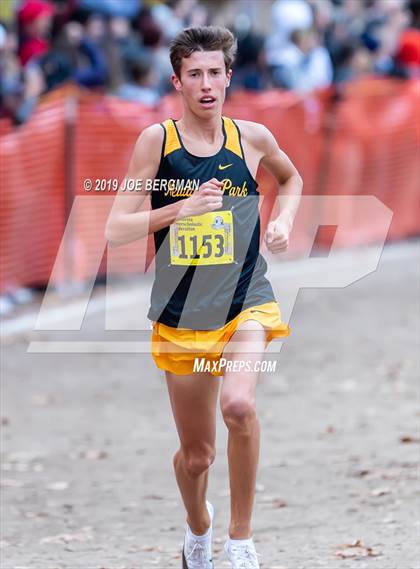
(238, 407)
(194, 400)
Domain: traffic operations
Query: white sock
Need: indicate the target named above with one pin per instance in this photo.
(248, 541)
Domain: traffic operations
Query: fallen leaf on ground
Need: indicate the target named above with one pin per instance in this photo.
(93, 454)
(380, 491)
(31, 515)
(363, 472)
(153, 497)
(345, 554)
(279, 503)
(408, 439)
(356, 549)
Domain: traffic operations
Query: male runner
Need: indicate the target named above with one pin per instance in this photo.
(210, 298)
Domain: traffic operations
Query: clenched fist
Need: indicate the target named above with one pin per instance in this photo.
(277, 236)
(208, 197)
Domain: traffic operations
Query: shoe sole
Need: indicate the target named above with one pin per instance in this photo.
(184, 562)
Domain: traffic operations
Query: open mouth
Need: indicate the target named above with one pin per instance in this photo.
(207, 100)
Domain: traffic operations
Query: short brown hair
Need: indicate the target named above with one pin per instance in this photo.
(205, 38)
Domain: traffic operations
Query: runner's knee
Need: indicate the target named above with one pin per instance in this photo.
(239, 414)
(198, 458)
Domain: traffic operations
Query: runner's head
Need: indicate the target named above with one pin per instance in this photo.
(201, 59)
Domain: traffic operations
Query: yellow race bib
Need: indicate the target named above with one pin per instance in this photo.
(205, 239)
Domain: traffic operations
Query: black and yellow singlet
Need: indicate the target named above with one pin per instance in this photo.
(208, 267)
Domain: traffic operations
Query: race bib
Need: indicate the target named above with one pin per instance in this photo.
(205, 239)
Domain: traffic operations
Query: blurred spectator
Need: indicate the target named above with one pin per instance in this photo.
(250, 68)
(323, 17)
(143, 84)
(73, 57)
(176, 15)
(18, 90)
(11, 81)
(167, 20)
(122, 45)
(35, 21)
(345, 30)
(95, 28)
(155, 48)
(382, 33)
(306, 64)
(112, 8)
(7, 11)
(287, 17)
(408, 52)
(353, 62)
(112, 39)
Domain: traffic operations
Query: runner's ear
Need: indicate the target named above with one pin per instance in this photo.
(176, 82)
(228, 77)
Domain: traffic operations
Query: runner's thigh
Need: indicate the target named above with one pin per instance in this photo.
(246, 344)
(193, 400)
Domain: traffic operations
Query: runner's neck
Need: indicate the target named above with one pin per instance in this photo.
(200, 131)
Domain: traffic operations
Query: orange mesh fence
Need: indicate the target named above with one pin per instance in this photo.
(32, 210)
(6, 126)
(373, 149)
(363, 143)
(296, 125)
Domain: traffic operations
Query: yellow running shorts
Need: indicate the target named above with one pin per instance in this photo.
(175, 349)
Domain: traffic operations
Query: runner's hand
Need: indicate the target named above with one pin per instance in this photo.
(277, 236)
(208, 197)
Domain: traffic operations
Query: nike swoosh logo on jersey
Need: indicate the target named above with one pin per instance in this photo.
(224, 166)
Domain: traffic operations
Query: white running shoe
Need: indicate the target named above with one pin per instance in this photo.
(242, 555)
(197, 553)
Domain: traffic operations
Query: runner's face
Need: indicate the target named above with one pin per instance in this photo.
(203, 82)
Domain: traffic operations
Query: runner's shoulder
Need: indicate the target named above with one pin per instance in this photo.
(152, 134)
(149, 142)
(254, 133)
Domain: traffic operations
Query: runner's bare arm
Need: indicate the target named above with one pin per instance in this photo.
(263, 147)
(125, 223)
(281, 167)
(275, 161)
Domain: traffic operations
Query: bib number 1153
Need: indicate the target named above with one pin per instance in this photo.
(206, 239)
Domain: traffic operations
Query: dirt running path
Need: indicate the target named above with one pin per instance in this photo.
(88, 441)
